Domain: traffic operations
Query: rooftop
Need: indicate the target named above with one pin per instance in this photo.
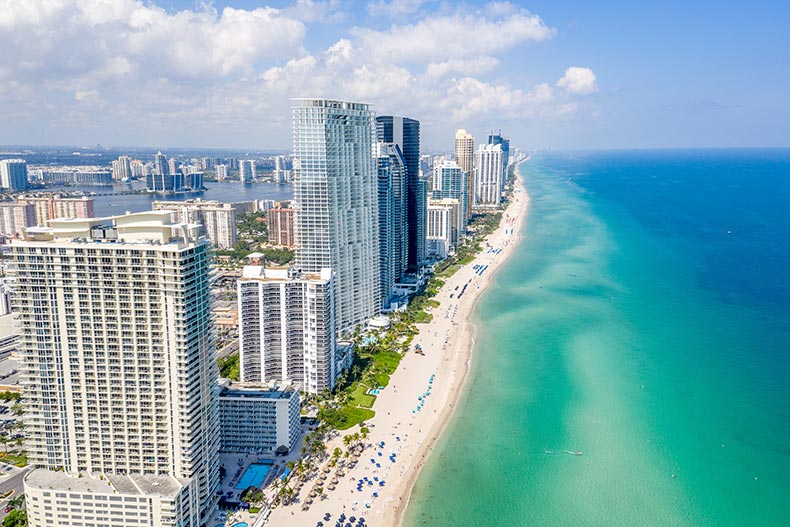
(136, 484)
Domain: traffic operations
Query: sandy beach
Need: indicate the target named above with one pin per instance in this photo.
(413, 410)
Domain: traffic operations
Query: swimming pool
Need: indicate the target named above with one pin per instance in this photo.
(253, 476)
(241, 524)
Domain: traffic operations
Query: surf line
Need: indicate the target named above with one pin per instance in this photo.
(569, 452)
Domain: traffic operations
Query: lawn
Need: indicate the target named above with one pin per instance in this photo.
(19, 460)
(345, 417)
(360, 398)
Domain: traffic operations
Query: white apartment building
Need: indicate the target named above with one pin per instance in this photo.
(255, 419)
(13, 174)
(218, 219)
(488, 175)
(118, 371)
(16, 217)
(122, 168)
(221, 172)
(246, 170)
(450, 181)
(336, 198)
(445, 221)
(287, 328)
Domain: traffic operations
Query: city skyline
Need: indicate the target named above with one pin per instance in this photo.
(555, 76)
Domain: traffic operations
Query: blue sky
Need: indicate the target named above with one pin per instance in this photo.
(549, 74)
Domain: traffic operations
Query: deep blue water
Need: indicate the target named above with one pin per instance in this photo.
(644, 320)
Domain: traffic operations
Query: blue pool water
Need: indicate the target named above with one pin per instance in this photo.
(241, 524)
(253, 477)
(374, 391)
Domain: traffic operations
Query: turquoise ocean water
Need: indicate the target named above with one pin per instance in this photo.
(644, 321)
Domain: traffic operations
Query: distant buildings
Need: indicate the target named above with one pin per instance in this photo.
(258, 420)
(78, 176)
(13, 174)
(281, 226)
(222, 172)
(488, 175)
(47, 208)
(336, 200)
(465, 157)
(287, 328)
(161, 166)
(405, 133)
(246, 170)
(121, 401)
(174, 182)
(450, 181)
(16, 217)
(497, 139)
(218, 219)
(122, 169)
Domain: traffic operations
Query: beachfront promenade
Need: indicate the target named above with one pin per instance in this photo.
(418, 402)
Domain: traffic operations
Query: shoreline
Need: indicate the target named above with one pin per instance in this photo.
(414, 410)
(459, 390)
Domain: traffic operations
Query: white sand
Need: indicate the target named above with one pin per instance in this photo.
(448, 343)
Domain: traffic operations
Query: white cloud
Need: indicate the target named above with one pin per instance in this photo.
(71, 38)
(395, 7)
(472, 66)
(204, 75)
(578, 81)
(87, 95)
(441, 38)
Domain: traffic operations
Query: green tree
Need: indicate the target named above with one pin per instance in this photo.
(230, 367)
(15, 518)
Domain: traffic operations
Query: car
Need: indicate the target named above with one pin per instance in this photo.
(8, 509)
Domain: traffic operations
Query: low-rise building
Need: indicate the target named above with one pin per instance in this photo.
(256, 419)
(62, 499)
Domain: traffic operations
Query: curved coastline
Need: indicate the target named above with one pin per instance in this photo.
(423, 393)
(467, 337)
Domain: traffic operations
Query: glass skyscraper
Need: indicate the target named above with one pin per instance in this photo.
(336, 195)
(405, 133)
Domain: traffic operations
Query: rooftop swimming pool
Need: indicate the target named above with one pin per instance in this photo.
(253, 477)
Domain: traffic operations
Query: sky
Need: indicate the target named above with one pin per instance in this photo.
(548, 73)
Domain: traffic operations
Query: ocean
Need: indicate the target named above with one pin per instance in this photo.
(644, 321)
(106, 203)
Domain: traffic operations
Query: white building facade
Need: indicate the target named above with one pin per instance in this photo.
(287, 328)
(257, 419)
(488, 175)
(336, 203)
(118, 371)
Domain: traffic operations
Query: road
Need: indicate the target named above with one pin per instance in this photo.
(9, 482)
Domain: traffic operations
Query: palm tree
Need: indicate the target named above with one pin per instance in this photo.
(364, 431)
(336, 452)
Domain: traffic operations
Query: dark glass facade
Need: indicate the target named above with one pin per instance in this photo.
(405, 133)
